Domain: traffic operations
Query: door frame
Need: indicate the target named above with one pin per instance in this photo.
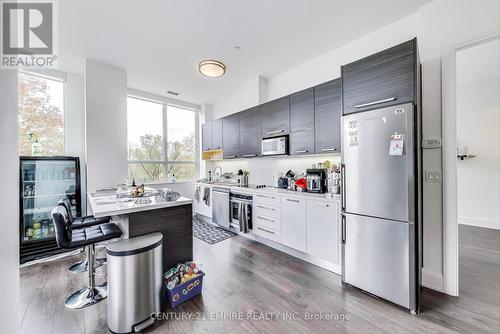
(449, 129)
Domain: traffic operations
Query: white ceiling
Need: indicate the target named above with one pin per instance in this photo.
(160, 42)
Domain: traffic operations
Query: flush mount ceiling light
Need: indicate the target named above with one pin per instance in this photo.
(212, 68)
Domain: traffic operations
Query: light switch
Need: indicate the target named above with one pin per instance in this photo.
(432, 176)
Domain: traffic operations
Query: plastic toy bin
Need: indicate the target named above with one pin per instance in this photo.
(184, 291)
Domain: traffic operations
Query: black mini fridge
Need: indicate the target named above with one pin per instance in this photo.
(43, 182)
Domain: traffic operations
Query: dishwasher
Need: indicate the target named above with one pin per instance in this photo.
(220, 206)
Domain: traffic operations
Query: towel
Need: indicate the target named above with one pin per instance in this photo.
(197, 194)
(243, 217)
(206, 196)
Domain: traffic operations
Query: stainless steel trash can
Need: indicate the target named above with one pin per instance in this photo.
(134, 282)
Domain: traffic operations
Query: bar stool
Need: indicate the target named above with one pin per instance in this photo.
(82, 222)
(84, 237)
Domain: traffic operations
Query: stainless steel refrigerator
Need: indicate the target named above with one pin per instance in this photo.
(381, 227)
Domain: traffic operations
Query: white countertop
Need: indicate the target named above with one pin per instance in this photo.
(106, 204)
(275, 191)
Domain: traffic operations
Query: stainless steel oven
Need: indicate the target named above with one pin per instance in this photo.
(240, 210)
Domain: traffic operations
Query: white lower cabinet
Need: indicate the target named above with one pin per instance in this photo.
(323, 230)
(293, 225)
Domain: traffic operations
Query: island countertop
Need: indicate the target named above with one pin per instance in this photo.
(106, 204)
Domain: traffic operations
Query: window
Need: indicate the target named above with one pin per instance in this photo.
(161, 142)
(41, 115)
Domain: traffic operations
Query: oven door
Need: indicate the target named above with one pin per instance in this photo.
(234, 212)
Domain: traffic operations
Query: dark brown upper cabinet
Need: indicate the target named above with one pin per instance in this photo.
(231, 136)
(251, 133)
(380, 80)
(217, 134)
(328, 113)
(276, 117)
(302, 122)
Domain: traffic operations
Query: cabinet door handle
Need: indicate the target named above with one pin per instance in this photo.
(263, 229)
(265, 207)
(264, 196)
(267, 219)
(293, 200)
(301, 151)
(323, 205)
(249, 155)
(230, 156)
(218, 148)
(375, 102)
(332, 149)
(276, 131)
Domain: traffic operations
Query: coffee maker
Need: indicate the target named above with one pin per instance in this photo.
(316, 181)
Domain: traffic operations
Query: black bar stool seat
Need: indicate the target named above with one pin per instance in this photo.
(79, 223)
(68, 238)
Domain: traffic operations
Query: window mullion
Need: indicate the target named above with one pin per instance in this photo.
(165, 142)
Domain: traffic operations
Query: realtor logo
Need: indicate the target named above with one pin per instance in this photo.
(28, 34)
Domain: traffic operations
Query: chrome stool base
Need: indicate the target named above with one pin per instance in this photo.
(87, 297)
(83, 266)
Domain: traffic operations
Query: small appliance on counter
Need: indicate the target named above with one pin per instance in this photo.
(316, 181)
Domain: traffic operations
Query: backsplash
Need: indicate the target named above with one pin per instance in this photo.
(262, 169)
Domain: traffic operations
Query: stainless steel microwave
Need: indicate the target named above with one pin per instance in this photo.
(275, 146)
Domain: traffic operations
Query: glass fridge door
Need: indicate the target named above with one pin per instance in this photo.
(43, 184)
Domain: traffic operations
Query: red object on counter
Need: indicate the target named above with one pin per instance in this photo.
(301, 183)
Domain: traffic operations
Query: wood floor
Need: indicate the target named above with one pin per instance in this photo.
(245, 276)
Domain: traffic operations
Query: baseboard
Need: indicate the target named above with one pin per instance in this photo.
(432, 280)
(479, 222)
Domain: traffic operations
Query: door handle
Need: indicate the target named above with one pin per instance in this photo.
(265, 207)
(333, 149)
(263, 196)
(267, 219)
(375, 102)
(301, 151)
(230, 156)
(249, 155)
(293, 200)
(263, 229)
(342, 180)
(343, 232)
(276, 131)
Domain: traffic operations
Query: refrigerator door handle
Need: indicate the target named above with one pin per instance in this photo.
(342, 180)
(343, 228)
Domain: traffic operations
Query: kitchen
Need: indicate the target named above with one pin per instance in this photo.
(242, 185)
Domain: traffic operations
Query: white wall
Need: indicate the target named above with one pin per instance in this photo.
(105, 125)
(9, 203)
(437, 26)
(262, 169)
(74, 126)
(478, 128)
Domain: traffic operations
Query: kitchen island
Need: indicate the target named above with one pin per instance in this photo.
(173, 219)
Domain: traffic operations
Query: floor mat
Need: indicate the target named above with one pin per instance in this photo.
(209, 233)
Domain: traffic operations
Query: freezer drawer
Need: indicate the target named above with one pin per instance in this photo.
(376, 257)
(379, 182)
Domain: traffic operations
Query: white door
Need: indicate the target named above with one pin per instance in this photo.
(294, 224)
(323, 230)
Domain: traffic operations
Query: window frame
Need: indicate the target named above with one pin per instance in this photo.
(166, 102)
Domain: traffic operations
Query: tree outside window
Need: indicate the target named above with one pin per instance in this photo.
(161, 142)
(41, 115)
